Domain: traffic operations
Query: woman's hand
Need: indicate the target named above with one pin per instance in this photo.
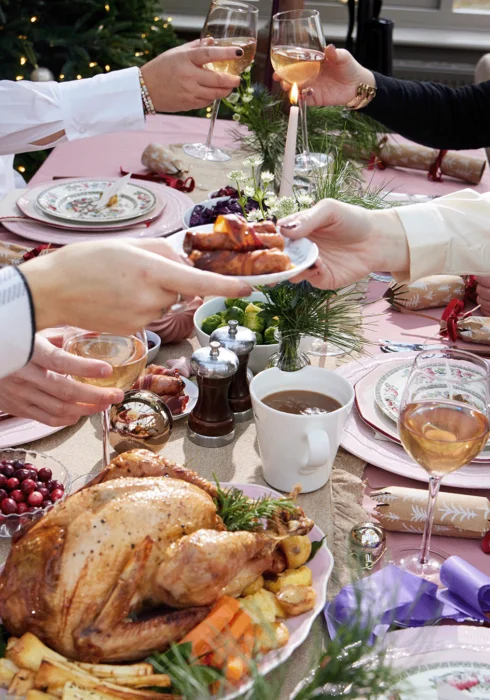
(352, 242)
(338, 80)
(177, 80)
(42, 392)
(116, 286)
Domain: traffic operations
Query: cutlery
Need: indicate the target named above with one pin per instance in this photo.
(394, 346)
(112, 191)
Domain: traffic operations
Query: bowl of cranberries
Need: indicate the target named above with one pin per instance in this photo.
(30, 483)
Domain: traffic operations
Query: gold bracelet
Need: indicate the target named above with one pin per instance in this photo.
(364, 95)
(148, 107)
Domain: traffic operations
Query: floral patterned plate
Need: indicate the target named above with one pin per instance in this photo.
(77, 200)
(440, 663)
(390, 388)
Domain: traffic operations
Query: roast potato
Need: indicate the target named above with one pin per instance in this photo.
(273, 636)
(297, 550)
(263, 607)
(254, 586)
(290, 577)
(296, 600)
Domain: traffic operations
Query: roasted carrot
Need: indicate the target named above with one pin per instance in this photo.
(227, 643)
(239, 625)
(235, 669)
(247, 642)
(203, 635)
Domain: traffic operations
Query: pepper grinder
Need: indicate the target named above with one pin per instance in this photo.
(241, 341)
(211, 422)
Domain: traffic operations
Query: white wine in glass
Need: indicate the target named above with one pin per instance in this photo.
(297, 56)
(443, 425)
(228, 23)
(126, 354)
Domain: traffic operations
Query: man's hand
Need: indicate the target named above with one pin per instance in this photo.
(177, 80)
(41, 391)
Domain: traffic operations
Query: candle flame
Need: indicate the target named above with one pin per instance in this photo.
(294, 94)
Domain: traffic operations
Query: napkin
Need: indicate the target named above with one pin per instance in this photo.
(393, 596)
(400, 509)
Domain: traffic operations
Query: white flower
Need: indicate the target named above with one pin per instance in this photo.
(253, 161)
(248, 191)
(305, 200)
(233, 98)
(236, 117)
(250, 90)
(267, 177)
(247, 98)
(248, 68)
(284, 207)
(255, 215)
(270, 201)
(237, 176)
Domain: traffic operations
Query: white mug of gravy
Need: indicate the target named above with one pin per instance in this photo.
(300, 417)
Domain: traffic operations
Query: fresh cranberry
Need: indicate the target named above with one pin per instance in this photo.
(35, 499)
(3, 494)
(8, 506)
(18, 464)
(28, 486)
(22, 474)
(46, 504)
(56, 494)
(8, 470)
(18, 496)
(53, 484)
(44, 492)
(12, 484)
(44, 474)
(22, 508)
(3, 481)
(32, 509)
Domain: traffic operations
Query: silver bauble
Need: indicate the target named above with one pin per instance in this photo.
(41, 75)
(141, 421)
(367, 543)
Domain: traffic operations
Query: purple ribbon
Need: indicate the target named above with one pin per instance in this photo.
(393, 596)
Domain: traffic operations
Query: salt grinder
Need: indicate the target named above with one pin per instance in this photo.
(211, 422)
(241, 341)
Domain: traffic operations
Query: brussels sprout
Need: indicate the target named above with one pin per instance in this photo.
(259, 338)
(274, 322)
(270, 335)
(253, 321)
(260, 304)
(252, 308)
(211, 323)
(241, 303)
(234, 313)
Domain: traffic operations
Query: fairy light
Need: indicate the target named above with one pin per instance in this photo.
(169, 19)
(143, 36)
(79, 77)
(19, 77)
(62, 76)
(33, 19)
(138, 53)
(107, 8)
(208, 112)
(21, 169)
(165, 25)
(23, 60)
(156, 19)
(92, 64)
(108, 68)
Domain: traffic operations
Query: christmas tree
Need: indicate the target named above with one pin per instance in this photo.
(78, 39)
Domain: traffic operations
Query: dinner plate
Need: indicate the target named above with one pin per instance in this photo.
(17, 431)
(436, 663)
(77, 201)
(303, 253)
(192, 392)
(359, 438)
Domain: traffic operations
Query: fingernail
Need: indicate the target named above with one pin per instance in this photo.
(245, 290)
(105, 371)
(239, 52)
(115, 397)
(290, 226)
(309, 92)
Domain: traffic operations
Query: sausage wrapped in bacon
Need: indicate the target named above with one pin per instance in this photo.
(232, 232)
(256, 262)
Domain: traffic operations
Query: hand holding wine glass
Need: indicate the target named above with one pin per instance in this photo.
(126, 354)
(443, 425)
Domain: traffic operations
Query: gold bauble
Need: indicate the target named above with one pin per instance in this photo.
(141, 420)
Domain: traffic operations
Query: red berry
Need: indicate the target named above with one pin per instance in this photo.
(53, 484)
(3, 494)
(47, 504)
(8, 470)
(44, 474)
(18, 464)
(3, 481)
(32, 509)
(12, 484)
(485, 544)
(18, 496)
(28, 486)
(22, 508)
(8, 506)
(22, 474)
(56, 494)
(44, 492)
(35, 499)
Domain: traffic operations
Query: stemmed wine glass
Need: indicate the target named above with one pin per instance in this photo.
(297, 55)
(443, 425)
(126, 354)
(228, 23)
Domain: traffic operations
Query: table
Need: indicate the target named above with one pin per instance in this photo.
(79, 447)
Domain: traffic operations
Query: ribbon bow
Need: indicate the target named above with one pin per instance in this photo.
(452, 314)
(435, 172)
(176, 183)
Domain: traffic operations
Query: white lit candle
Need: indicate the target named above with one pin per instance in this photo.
(286, 189)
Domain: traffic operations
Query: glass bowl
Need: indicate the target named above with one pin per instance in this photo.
(80, 482)
(12, 523)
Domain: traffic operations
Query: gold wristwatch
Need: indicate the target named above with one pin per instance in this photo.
(364, 95)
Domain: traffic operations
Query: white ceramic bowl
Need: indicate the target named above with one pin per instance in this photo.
(208, 203)
(153, 352)
(259, 357)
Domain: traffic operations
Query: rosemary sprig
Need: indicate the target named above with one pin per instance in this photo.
(239, 512)
(190, 680)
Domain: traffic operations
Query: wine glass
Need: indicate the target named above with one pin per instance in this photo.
(443, 425)
(126, 354)
(228, 23)
(297, 55)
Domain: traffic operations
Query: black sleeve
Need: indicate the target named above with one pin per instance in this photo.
(432, 114)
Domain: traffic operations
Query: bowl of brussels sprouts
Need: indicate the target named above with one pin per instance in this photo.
(218, 311)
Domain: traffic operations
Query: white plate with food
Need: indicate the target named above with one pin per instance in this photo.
(243, 251)
(361, 437)
(78, 201)
(436, 663)
(193, 569)
(179, 393)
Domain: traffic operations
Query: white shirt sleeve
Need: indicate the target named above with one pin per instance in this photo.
(33, 111)
(17, 323)
(450, 235)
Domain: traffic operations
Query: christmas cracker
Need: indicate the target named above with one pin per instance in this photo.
(426, 293)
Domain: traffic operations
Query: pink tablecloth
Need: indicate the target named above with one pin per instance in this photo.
(105, 154)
